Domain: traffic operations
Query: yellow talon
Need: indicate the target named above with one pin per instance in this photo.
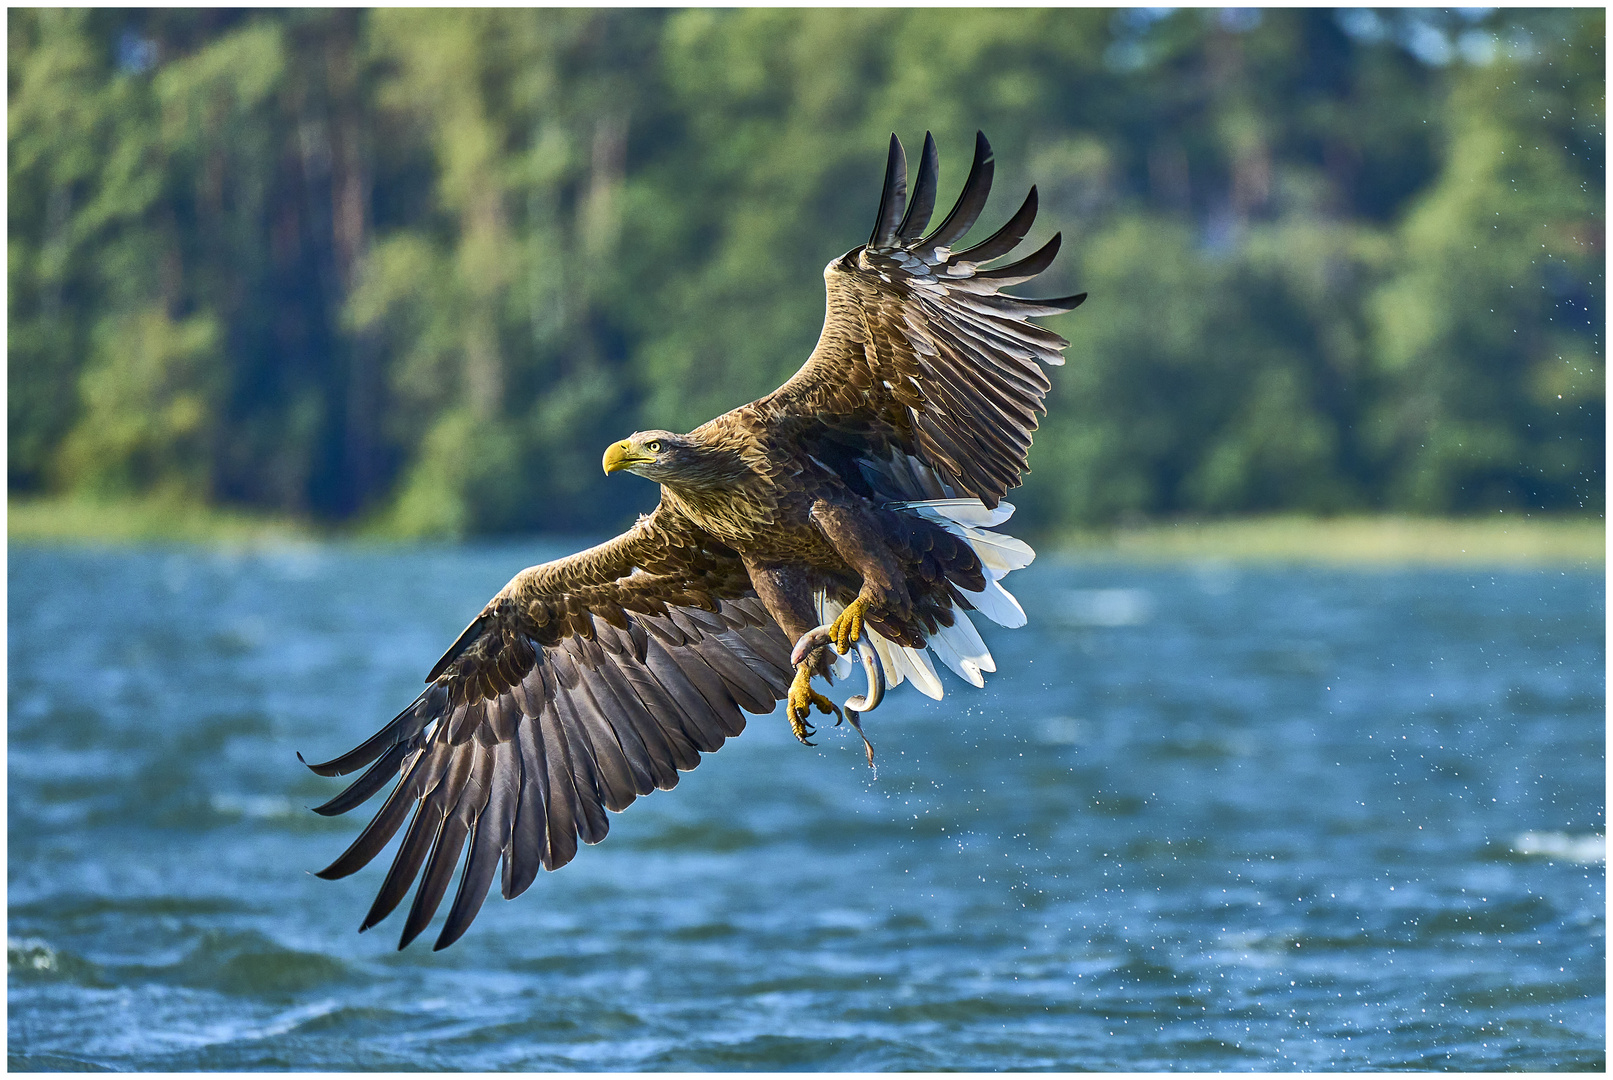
(801, 701)
(848, 626)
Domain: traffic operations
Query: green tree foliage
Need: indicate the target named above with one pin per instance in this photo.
(418, 267)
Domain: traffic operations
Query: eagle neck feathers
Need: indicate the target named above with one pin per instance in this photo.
(732, 495)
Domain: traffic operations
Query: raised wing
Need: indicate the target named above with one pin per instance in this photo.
(920, 352)
(583, 684)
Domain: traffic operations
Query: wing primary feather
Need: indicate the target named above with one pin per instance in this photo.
(489, 838)
(710, 686)
(1056, 306)
(461, 643)
(660, 758)
(386, 822)
(1028, 267)
(1012, 346)
(1028, 309)
(449, 844)
(421, 911)
(698, 720)
(564, 799)
(893, 200)
(413, 719)
(373, 780)
(604, 722)
(970, 202)
(474, 881)
(405, 865)
(529, 691)
(587, 784)
(530, 831)
(435, 805)
(921, 200)
(666, 716)
(1004, 239)
(503, 713)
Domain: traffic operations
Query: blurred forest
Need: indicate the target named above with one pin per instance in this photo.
(414, 269)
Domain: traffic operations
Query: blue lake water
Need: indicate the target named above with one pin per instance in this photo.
(1204, 817)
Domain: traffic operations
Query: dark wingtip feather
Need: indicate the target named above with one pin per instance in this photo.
(333, 767)
(1029, 266)
(378, 833)
(921, 200)
(373, 780)
(971, 200)
(405, 867)
(407, 723)
(461, 643)
(1006, 238)
(893, 200)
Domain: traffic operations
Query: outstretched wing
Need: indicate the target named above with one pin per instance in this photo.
(920, 353)
(583, 684)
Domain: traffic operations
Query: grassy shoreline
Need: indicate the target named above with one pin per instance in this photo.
(66, 520)
(1498, 540)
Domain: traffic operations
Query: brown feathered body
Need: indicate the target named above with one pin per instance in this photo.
(873, 475)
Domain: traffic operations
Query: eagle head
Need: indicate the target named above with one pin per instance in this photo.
(667, 458)
(654, 455)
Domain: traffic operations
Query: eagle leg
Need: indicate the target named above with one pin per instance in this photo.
(802, 699)
(848, 626)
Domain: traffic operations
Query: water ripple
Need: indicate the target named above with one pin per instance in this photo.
(1203, 820)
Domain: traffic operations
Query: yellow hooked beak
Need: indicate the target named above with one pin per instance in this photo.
(623, 455)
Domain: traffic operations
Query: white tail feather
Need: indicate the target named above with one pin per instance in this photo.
(969, 518)
(997, 604)
(959, 646)
(966, 640)
(944, 645)
(962, 511)
(908, 663)
(894, 673)
(999, 555)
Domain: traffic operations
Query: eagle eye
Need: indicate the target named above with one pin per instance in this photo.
(653, 446)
